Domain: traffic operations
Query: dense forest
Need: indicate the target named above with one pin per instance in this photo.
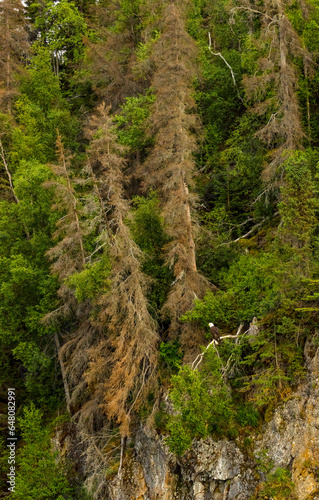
(159, 171)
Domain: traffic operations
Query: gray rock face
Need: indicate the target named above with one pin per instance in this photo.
(227, 469)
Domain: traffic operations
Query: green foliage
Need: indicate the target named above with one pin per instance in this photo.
(202, 404)
(148, 232)
(144, 49)
(247, 415)
(62, 28)
(39, 112)
(132, 122)
(170, 352)
(269, 274)
(251, 290)
(294, 242)
(39, 474)
(92, 281)
(264, 463)
(278, 485)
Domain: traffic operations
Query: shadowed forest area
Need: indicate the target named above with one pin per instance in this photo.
(159, 171)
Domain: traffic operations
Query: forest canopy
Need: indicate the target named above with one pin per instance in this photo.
(158, 172)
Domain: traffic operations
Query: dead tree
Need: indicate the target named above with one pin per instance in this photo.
(126, 356)
(170, 166)
(13, 47)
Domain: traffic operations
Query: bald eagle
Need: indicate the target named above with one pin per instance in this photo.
(214, 332)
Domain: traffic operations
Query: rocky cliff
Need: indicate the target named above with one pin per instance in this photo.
(231, 469)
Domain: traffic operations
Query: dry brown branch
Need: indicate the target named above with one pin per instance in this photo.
(277, 73)
(13, 46)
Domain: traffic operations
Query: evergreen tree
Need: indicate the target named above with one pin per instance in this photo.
(272, 88)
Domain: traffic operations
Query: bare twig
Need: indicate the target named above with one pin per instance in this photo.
(234, 336)
(8, 173)
(96, 250)
(250, 231)
(123, 440)
(227, 64)
(214, 342)
(235, 9)
(223, 58)
(64, 377)
(200, 356)
(256, 226)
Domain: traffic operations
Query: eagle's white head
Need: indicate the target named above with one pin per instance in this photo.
(210, 324)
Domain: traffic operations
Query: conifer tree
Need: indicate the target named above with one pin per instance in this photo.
(170, 166)
(272, 89)
(111, 60)
(297, 208)
(123, 363)
(69, 252)
(13, 47)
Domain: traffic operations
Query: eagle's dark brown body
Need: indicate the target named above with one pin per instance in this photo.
(215, 333)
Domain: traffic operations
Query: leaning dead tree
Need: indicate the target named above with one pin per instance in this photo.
(123, 363)
(170, 166)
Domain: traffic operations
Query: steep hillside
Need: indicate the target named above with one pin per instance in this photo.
(159, 248)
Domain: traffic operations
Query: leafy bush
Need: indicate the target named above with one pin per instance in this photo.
(247, 415)
(202, 404)
(278, 485)
(170, 353)
(40, 474)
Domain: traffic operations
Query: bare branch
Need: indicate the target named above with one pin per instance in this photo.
(197, 361)
(227, 64)
(233, 336)
(96, 250)
(8, 173)
(251, 231)
(235, 9)
(223, 58)
(64, 377)
(123, 441)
